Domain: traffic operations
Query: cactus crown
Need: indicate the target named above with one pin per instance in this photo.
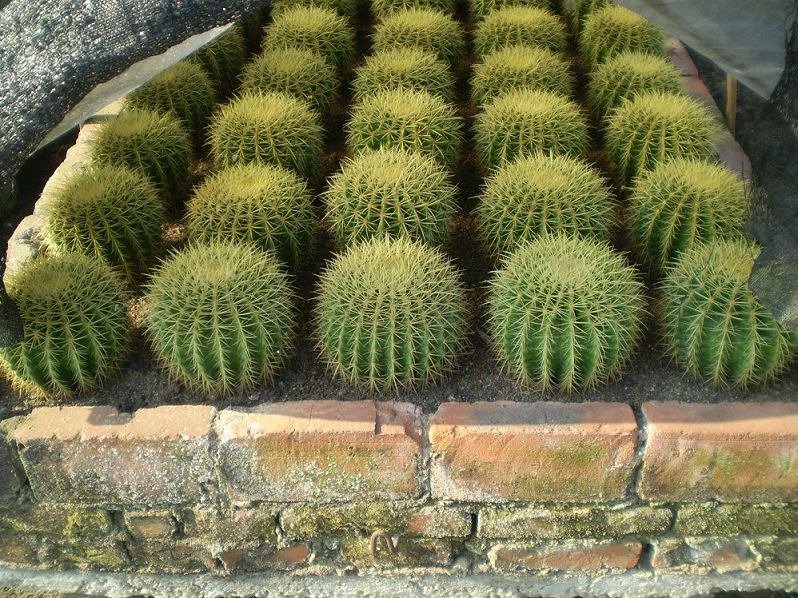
(268, 128)
(479, 9)
(518, 67)
(655, 126)
(390, 313)
(75, 326)
(543, 194)
(223, 58)
(681, 203)
(221, 316)
(519, 26)
(565, 312)
(156, 144)
(628, 74)
(612, 29)
(414, 120)
(254, 203)
(303, 74)
(312, 28)
(421, 28)
(404, 68)
(525, 121)
(110, 212)
(345, 8)
(714, 326)
(383, 8)
(390, 191)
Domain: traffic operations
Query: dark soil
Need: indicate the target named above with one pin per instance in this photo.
(479, 377)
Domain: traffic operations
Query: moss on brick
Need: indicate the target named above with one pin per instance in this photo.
(87, 524)
(310, 521)
(728, 520)
(408, 552)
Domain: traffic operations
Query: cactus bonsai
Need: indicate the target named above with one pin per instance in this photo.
(612, 29)
(519, 26)
(403, 68)
(421, 28)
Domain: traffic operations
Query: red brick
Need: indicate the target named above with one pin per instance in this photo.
(96, 455)
(501, 451)
(575, 556)
(678, 55)
(333, 451)
(731, 452)
(702, 555)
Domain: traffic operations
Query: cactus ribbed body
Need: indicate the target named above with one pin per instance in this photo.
(681, 203)
(312, 28)
(425, 29)
(75, 326)
(714, 326)
(384, 8)
(254, 203)
(223, 58)
(390, 191)
(413, 120)
(519, 26)
(565, 312)
(576, 12)
(404, 68)
(543, 194)
(479, 9)
(391, 313)
(614, 29)
(525, 121)
(519, 67)
(221, 316)
(268, 128)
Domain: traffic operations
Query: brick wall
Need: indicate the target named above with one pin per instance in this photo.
(335, 486)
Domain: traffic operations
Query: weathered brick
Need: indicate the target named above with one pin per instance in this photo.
(538, 523)
(150, 525)
(500, 451)
(702, 555)
(678, 55)
(10, 482)
(98, 456)
(778, 554)
(432, 521)
(730, 520)
(55, 521)
(731, 452)
(262, 557)
(18, 549)
(582, 556)
(171, 555)
(331, 451)
(403, 551)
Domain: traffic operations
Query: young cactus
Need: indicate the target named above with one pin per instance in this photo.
(266, 205)
(519, 26)
(221, 316)
(404, 68)
(543, 194)
(682, 203)
(155, 144)
(479, 9)
(526, 121)
(421, 28)
(345, 8)
(519, 67)
(312, 28)
(390, 191)
(714, 327)
(565, 312)
(268, 128)
(75, 326)
(303, 74)
(614, 29)
(383, 8)
(390, 313)
(414, 120)
(655, 126)
(109, 212)
(627, 75)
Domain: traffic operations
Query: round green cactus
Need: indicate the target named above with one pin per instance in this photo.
(713, 325)
(390, 191)
(75, 326)
(156, 144)
(518, 67)
(543, 194)
(479, 9)
(629, 74)
(682, 203)
(254, 203)
(221, 316)
(526, 121)
(577, 11)
(312, 28)
(390, 313)
(183, 90)
(345, 8)
(110, 212)
(404, 68)
(426, 29)
(223, 58)
(519, 26)
(612, 29)
(655, 126)
(268, 128)
(383, 8)
(302, 73)
(565, 312)
(414, 120)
